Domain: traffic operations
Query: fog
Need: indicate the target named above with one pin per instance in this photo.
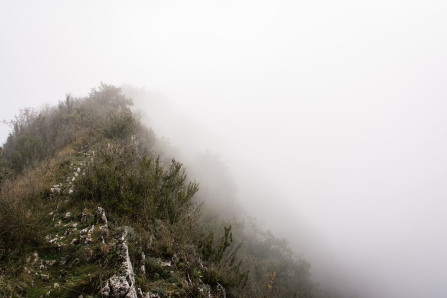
(329, 115)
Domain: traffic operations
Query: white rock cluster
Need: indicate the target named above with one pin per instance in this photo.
(122, 284)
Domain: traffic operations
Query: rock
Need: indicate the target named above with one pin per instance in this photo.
(120, 287)
(123, 283)
(88, 239)
(69, 231)
(45, 276)
(48, 293)
(56, 285)
(105, 291)
(67, 216)
(164, 264)
(101, 217)
(143, 267)
(55, 190)
(221, 291)
(50, 262)
(147, 295)
(36, 257)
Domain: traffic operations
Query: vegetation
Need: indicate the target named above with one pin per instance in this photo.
(61, 163)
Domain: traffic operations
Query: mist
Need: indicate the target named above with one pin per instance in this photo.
(328, 118)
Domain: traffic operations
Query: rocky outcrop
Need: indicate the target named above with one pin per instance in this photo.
(101, 217)
(123, 283)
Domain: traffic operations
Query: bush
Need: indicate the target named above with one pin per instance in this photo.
(139, 187)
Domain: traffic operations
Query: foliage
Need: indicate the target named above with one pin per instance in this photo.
(122, 181)
(105, 113)
(206, 251)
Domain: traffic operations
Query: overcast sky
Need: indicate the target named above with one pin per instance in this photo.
(338, 106)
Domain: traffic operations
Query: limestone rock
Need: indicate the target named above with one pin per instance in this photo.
(67, 216)
(123, 283)
(101, 217)
(88, 239)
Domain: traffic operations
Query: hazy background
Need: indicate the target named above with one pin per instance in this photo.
(330, 115)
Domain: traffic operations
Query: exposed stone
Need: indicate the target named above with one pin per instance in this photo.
(45, 276)
(221, 291)
(143, 267)
(50, 262)
(69, 231)
(105, 291)
(67, 216)
(123, 284)
(101, 216)
(36, 257)
(164, 264)
(88, 239)
(146, 295)
(55, 190)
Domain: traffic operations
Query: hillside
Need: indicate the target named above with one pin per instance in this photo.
(90, 206)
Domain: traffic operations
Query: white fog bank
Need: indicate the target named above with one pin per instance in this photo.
(330, 116)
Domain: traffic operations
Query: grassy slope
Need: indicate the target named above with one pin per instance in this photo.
(43, 251)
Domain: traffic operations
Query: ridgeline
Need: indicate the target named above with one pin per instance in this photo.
(89, 209)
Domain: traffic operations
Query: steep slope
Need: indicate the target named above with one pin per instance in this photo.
(89, 206)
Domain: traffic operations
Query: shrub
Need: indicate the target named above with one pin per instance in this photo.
(138, 187)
